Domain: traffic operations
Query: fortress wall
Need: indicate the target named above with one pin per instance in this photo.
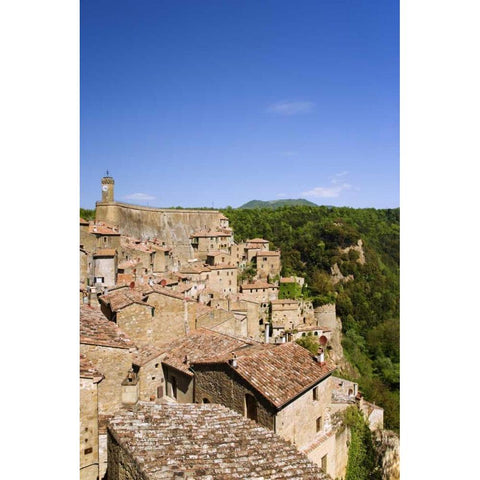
(171, 226)
(325, 316)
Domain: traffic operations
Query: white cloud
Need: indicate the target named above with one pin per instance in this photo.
(335, 178)
(327, 192)
(139, 196)
(291, 108)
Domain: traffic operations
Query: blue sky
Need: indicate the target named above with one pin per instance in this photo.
(215, 103)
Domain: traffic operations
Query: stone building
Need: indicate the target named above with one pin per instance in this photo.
(110, 351)
(211, 442)
(260, 291)
(222, 278)
(179, 354)
(205, 241)
(105, 267)
(89, 379)
(285, 313)
(283, 388)
(268, 264)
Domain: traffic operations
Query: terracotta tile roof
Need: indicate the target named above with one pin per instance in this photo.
(128, 263)
(284, 301)
(279, 373)
(100, 228)
(222, 266)
(95, 329)
(122, 298)
(211, 442)
(163, 291)
(83, 222)
(145, 354)
(287, 280)
(257, 240)
(201, 344)
(105, 252)
(133, 244)
(195, 269)
(88, 370)
(251, 286)
(205, 233)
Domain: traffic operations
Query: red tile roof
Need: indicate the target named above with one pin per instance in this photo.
(210, 442)
(122, 298)
(268, 253)
(201, 344)
(280, 373)
(257, 240)
(205, 233)
(100, 228)
(95, 329)
(105, 252)
(251, 286)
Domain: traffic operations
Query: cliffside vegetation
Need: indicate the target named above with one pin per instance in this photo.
(312, 240)
(363, 462)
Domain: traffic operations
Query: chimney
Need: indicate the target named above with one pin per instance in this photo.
(267, 328)
(233, 360)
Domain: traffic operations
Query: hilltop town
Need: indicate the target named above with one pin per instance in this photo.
(189, 360)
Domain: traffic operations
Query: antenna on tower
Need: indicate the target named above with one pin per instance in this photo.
(107, 173)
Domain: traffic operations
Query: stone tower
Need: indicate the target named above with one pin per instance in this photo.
(107, 189)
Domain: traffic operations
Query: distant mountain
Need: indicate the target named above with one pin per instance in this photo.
(278, 203)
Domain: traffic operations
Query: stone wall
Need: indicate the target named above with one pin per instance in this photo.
(297, 422)
(114, 363)
(88, 429)
(151, 378)
(106, 267)
(121, 464)
(224, 321)
(171, 226)
(219, 384)
(184, 383)
(139, 324)
(325, 316)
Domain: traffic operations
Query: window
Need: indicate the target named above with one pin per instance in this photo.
(315, 393)
(206, 400)
(250, 407)
(319, 424)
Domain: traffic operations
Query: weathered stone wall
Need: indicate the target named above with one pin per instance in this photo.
(297, 422)
(88, 429)
(224, 321)
(121, 465)
(285, 315)
(174, 318)
(268, 265)
(184, 383)
(223, 280)
(138, 323)
(106, 267)
(218, 384)
(325, 316)
(114, 363)
(171, 226)
(151, 377)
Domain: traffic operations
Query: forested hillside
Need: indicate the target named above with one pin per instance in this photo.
(277, 203)
(311, 239)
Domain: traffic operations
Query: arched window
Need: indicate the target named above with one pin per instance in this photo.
(250, 407)
(206, 400)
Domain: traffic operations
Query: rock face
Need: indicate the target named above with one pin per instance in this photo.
(358, 248)
(387, 445)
